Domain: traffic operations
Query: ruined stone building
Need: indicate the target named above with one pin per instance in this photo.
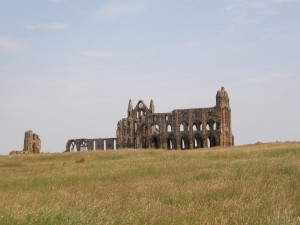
(179, 129)
(32, 144)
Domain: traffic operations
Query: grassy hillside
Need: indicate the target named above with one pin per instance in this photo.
(255, 184)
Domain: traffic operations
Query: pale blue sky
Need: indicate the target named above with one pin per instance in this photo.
(69, 67)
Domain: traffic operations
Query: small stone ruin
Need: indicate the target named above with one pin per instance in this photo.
(32, 144)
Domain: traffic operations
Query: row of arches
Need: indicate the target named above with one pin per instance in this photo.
(91, 145)
(155, 128)
(183, 142)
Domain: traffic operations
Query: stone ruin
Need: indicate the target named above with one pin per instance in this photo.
(32, 144)
(179, 129)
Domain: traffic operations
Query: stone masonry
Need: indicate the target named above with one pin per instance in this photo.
(32, 144)
(179, 129)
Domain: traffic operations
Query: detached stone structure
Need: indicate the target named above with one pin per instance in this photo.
(32, 144)
(179, 129)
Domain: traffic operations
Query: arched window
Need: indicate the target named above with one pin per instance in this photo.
(181, 127)
(182, 144)
(207, 127)
(73, 147)
(155, 143)
(215, 126)
(170, 143)
(135, 127)
(211, 141)
(154, 129)
(169, 128)
(83, 146)
(195, 143)
(194, 127)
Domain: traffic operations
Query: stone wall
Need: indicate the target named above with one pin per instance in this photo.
(179, 129)
(32, 142)
(85, 144)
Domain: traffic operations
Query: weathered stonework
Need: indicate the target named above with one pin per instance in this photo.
(85, 144)
(32, 144)
(179, 129)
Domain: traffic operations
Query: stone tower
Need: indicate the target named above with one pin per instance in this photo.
(32, 142)
(222, 104)
(152, 109)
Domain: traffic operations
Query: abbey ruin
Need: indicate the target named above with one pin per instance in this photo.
(32, 144)
(179, 129)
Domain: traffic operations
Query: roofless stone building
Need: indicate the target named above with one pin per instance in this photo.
(179, 129)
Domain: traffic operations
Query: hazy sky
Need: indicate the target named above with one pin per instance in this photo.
(69, 67)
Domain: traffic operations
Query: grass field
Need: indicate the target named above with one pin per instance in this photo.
(255, 184)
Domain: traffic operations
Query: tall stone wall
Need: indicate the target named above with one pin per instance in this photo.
(179, 129)
(32, 142)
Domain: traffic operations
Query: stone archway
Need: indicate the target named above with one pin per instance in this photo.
(155, 142)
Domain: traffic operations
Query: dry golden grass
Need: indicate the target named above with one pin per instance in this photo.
(255, 184)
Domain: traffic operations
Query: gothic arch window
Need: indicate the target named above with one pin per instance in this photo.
(135, 127)
(170, 144)
(83, 146)
(155, 143)
(198, 141)
(211, 125)
(73, 147)
(211, 141)
(154, 129)
(184, 143)
(144, 142)
(184, 126)
(181, 128)
(195, 127)
(196, 145)
(207, 127)
(169, 128)
(154, 118)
